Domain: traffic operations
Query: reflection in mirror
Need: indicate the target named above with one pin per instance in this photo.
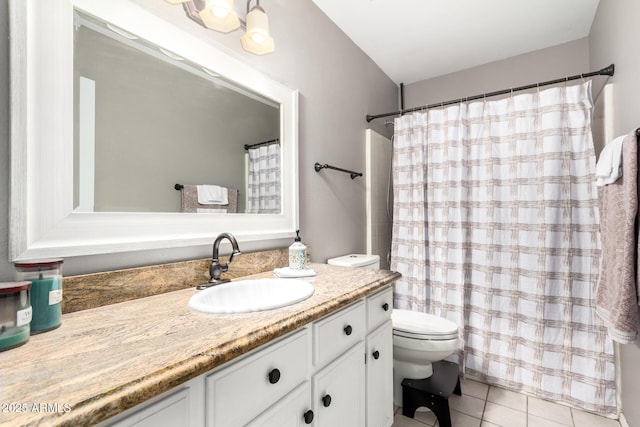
(45, 222)
(156, 133)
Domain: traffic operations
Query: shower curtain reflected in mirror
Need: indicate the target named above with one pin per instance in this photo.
(496, 228)
(263, 180)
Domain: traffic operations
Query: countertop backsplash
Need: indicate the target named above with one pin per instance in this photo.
(87, 291)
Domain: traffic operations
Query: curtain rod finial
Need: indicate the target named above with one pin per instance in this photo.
(608, 71)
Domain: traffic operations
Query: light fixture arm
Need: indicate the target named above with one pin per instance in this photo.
(243, 23)
(249, 5)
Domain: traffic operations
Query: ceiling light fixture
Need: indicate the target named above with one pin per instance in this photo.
(220, 15)
(256, 39)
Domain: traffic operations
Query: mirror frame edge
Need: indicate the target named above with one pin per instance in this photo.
(41, 221)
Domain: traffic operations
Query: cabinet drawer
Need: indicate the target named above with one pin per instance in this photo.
(379, 308)
(240, 392)
(333, 335)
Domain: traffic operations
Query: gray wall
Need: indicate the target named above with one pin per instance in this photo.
(614, 39)
(338, 86)
(546, 64)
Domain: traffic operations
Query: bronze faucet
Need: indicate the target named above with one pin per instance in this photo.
(216, 269)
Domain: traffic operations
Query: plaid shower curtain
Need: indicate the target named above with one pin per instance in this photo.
(263, 187)
(496, 229)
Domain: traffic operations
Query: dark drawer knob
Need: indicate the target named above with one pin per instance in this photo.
(308, 417)
(385, 306)
(274, 376)
(348, 329)
(376, 354)
(326, 400)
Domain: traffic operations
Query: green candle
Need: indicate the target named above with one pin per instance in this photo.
(15, 314)
(45, 276)
(13, 337)
(46, 298)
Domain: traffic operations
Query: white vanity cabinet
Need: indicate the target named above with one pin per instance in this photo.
(336, 371)
(349, 388)
(379, 359)
(339, 370)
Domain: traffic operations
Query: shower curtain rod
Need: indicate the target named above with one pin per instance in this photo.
(259, 144)
(607, 71)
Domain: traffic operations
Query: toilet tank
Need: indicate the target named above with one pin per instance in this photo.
(356, 260)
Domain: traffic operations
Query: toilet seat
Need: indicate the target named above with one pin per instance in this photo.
(422, 326)
(424, 337)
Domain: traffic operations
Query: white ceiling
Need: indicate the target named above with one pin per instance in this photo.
(413, 40)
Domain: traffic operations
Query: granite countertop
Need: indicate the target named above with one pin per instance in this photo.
(105, 360)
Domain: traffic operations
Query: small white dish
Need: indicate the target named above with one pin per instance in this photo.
(287, 272)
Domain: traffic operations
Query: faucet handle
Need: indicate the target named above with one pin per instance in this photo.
(234, 253)
(216, 269)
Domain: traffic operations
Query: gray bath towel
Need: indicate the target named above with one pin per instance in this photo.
(617, 289)
(190, 201)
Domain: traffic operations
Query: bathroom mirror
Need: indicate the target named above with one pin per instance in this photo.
(44, 220)
(146, 120)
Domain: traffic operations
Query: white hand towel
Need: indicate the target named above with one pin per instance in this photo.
(212, 195)
(608, 168)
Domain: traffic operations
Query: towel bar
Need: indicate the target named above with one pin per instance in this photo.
(318, 167)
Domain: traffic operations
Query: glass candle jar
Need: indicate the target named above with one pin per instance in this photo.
(46, 291)
(15, 314)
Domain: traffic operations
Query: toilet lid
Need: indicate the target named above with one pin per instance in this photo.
(354, 260)
(422, 324)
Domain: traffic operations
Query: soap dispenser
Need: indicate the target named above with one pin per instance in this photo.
(297, 254)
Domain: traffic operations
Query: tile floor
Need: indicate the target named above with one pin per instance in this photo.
(487, 406)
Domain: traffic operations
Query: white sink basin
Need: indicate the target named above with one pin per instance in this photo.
(244, 296)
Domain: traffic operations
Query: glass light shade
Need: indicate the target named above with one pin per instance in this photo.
(220, 15)
(257, 39)
(220, 8)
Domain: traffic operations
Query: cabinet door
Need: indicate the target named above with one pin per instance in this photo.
(380, 377)
(294, 410)
(182, 407)
(240, 392)
(339, 391)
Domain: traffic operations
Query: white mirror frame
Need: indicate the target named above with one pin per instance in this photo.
(41, 219)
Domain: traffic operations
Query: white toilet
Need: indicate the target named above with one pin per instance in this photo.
(419, 339)
(356, 260)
